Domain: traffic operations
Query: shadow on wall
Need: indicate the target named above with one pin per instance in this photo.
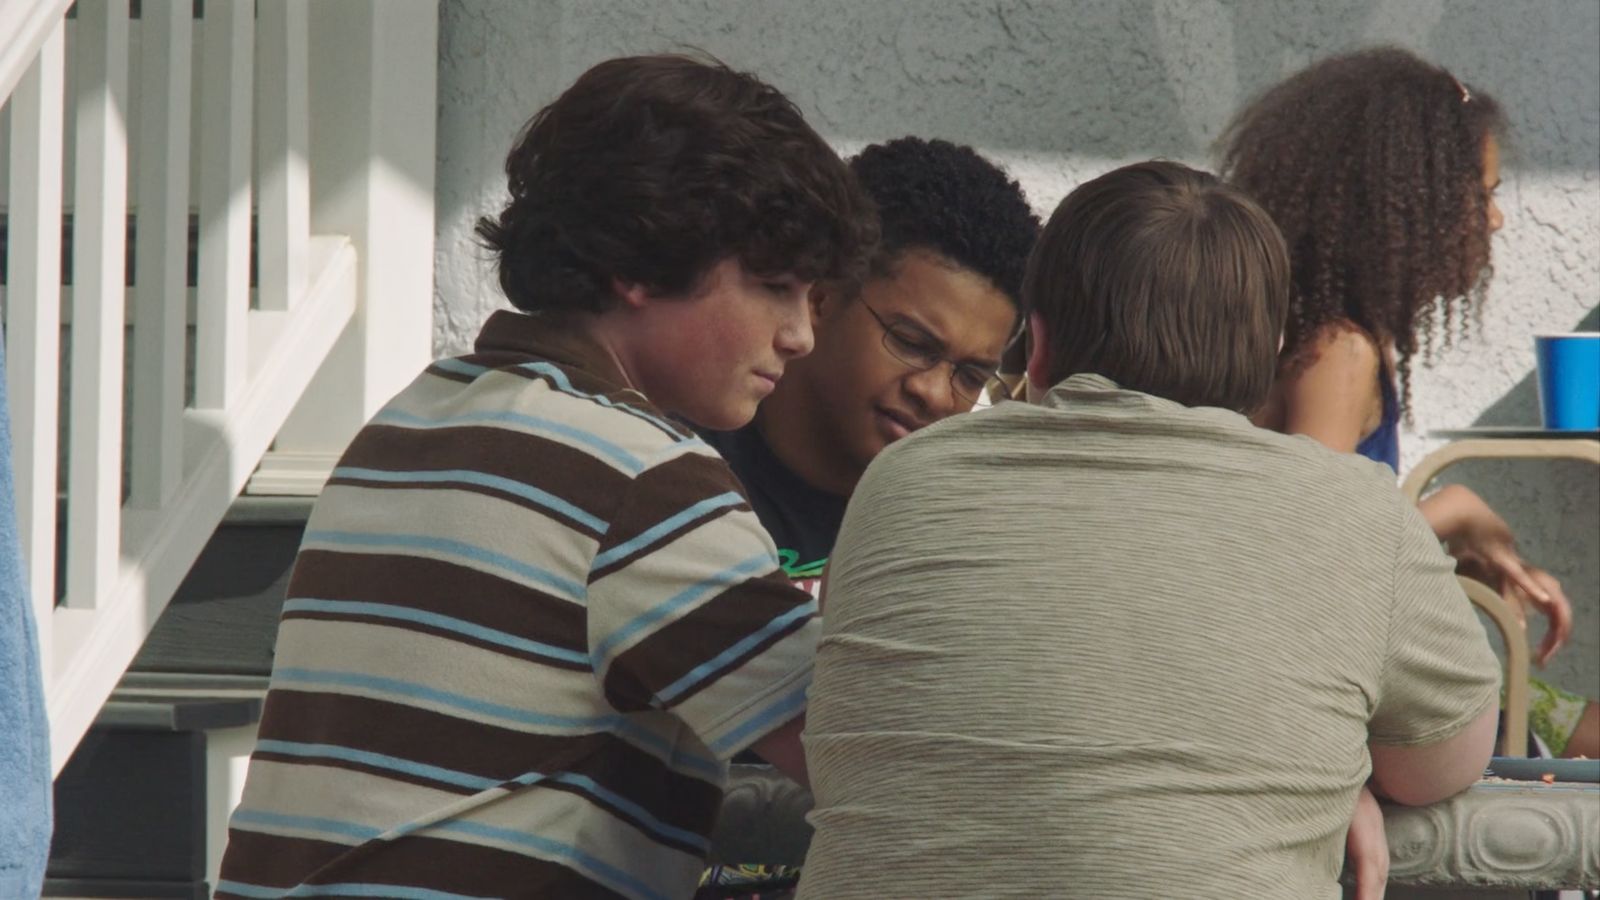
(1104, 80)
(1520, 405)
(1551, 507)
(1054, 86)
(1536, 58)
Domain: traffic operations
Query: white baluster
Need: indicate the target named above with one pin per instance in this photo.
(99, 261)
(281, 151)
(223, 295)
(372, 152)
(161, 263)
(33, 319)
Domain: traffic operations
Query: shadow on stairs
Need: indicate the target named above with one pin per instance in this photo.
(141, 809)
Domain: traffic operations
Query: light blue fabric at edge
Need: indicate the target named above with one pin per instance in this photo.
(24, 730)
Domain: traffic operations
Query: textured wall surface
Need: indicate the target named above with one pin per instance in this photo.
(1059, 91)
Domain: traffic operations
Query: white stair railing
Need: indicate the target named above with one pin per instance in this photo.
(33, 65)
(95, 135)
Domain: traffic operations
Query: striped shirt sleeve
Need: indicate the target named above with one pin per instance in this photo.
(689, 611)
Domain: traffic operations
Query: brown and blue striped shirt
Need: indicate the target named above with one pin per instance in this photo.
(531, 620)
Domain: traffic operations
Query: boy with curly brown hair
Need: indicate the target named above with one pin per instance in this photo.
(533, 616)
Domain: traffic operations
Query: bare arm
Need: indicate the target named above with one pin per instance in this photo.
(1485, 549)
(1448, 510)
(781, 747)
(1419, 775)
(1334, 398)
(1366, 847)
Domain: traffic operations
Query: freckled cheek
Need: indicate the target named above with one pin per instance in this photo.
(733, 348)
(721, 340)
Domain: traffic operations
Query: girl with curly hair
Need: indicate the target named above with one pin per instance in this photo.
(1380, 169)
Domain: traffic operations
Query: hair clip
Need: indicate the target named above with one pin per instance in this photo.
(1466, 95)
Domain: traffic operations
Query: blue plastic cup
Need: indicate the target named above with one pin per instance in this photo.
(1569, 380)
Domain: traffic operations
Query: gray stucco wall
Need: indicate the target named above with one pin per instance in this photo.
(1060, 91)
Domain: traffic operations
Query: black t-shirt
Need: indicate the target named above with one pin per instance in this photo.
(803, 521)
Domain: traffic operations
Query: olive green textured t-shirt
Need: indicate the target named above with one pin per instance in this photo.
(1111, 646)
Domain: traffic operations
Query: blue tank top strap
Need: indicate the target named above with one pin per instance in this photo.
(1383, 444)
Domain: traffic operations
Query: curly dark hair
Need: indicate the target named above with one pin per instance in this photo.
(944, 197)
(1371, 163)
(651, 169)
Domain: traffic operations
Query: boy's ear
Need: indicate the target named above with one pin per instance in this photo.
(1038, 358)
(632, 294)
(824, 300)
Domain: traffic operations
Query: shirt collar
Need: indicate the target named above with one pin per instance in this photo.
(560, 340)
(1086, 391)
(1082, 385)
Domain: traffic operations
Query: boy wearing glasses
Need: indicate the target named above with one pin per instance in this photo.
(920, 340)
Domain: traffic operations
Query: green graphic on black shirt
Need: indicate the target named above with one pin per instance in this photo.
(794, 568)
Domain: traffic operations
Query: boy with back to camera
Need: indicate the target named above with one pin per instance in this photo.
(915, 344)
(1121, 639)
(532, 616)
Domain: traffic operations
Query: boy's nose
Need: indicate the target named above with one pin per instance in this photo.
(932, 390)
(796, 338)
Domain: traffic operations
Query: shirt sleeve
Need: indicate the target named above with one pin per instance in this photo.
(689, 611)
(1440, 672)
